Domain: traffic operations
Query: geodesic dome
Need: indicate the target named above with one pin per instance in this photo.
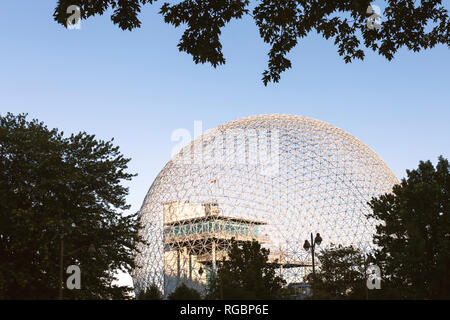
(272, 178)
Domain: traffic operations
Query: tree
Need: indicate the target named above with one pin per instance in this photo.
(283, 23)
(151, 293)
(59, 201)
(413, 234)
(342, 274)
(246, 274)
(183, 292)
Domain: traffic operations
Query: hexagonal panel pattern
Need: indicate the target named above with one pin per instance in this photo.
(273, 178)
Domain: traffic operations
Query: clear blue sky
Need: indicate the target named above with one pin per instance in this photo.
(136, 87)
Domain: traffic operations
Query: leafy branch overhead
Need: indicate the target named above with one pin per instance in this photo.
(282, 23)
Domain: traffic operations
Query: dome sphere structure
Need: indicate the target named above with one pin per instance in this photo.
(272, 178)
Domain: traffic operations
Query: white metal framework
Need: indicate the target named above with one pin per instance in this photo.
(273, 178)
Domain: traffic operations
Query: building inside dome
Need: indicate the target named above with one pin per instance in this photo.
(271, 178)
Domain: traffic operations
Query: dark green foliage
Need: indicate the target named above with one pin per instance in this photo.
(55, 189)
(282, 23)
(342, 274)
(151, 293)
(183, 292)
(414, 236)
(246, 274)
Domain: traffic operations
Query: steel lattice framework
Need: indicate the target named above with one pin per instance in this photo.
(273, 178)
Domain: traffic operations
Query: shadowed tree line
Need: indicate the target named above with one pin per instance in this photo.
(61, 200)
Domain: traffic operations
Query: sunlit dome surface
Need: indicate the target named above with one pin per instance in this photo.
(273, 178)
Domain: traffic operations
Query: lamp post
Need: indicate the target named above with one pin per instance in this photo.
(312, 246)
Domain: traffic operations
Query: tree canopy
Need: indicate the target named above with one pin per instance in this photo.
(283, 23)
(53, 190)
(183, 292)
(413, 234)
(246, 275)
(342, 274)
(151, 293)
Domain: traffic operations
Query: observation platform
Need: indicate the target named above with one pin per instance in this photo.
(203, 231)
